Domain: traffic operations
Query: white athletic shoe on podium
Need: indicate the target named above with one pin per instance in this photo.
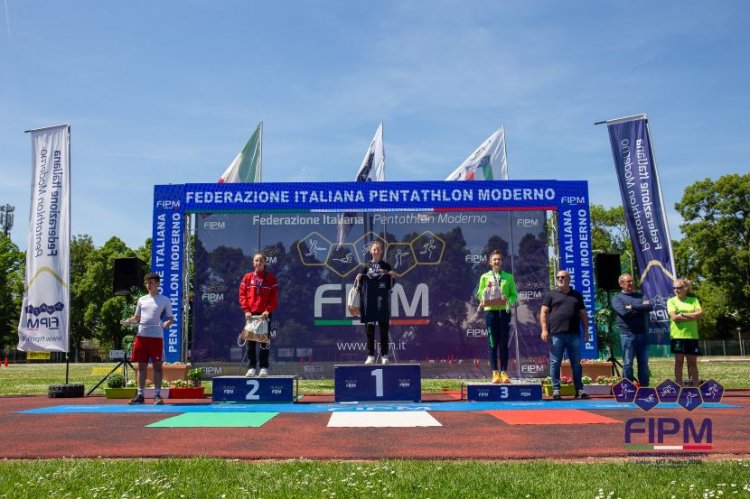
(384, 360)
(263, 373)
(250, 373)
(369, 360)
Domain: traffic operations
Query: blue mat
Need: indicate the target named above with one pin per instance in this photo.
(353, 407)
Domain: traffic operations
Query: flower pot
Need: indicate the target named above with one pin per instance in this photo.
(591, 369)
(567, 390)
(120, 393)
(186, 393)
(597, 389)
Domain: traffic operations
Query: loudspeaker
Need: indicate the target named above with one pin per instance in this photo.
(128, 274)
(607, 268)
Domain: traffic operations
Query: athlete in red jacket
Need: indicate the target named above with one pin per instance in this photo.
(259, 295)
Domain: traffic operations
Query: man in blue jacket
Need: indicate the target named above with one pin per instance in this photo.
(632, 319)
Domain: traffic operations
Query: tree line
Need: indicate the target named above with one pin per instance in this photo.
(95, 313)
(714, 254)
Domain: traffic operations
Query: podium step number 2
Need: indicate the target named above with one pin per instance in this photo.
(239, 389)
(360, 383)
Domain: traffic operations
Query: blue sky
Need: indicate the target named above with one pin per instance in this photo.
(169, 92)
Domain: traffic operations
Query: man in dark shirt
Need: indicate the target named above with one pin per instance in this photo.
(563, 313)
(632, 312)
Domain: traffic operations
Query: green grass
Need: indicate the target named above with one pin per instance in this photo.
(436, 479)
(34, 379)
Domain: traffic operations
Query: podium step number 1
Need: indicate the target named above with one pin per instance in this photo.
(361, 383)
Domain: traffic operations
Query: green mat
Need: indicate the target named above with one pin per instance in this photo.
(211, 420)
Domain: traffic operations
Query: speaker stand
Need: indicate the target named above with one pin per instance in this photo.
(616, 366)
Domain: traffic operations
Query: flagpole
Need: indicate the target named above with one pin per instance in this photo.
(505, 152)
(385, 225)
(260, 176)
(624, 119)
(260, 173)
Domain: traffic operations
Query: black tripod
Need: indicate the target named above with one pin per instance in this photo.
(123, 363)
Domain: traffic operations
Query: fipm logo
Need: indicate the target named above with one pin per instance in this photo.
(168, 204)
(657, 429)
(214, 225)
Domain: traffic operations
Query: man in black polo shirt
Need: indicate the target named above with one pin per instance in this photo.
(563, 313)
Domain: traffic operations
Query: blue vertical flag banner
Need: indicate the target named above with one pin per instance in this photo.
(574, 240)
(45, 315)
(645, 215)
(167, 256)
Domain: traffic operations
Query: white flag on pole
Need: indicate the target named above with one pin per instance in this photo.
(247, 166)
(488, 162)
(45, 314)
(372, 169)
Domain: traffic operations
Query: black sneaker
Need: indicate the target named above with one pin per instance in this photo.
(556, 395)
(138, 399)
(158, 400)
(582, 395)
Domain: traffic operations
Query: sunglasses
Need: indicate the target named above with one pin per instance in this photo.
(679, 287)
(562, 277)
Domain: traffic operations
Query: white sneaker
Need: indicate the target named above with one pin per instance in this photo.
(370, 360)
(263, 373)
(250, 373)
(384, 360)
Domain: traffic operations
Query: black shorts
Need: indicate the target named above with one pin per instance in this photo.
(687, 347)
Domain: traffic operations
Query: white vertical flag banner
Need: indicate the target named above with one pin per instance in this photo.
(45, 315)
(247, 166)
(372, 169)
(488, 162)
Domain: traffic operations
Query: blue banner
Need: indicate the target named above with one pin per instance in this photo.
(167, 259)
(645, 216)
(574, 239)
(372, 196)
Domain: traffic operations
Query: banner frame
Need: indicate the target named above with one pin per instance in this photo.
(569, 198)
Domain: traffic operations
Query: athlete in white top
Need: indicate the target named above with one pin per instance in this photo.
(149, 312)
(149, 342)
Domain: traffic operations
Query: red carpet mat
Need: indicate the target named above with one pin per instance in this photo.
(551, 417)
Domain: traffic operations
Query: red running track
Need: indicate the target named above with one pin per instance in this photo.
(463, 435)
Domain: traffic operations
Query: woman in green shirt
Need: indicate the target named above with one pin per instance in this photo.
(497, 314)
(684, 311)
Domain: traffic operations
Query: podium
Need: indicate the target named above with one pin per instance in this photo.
(268, 390)
(488, 392)
(377, 383)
